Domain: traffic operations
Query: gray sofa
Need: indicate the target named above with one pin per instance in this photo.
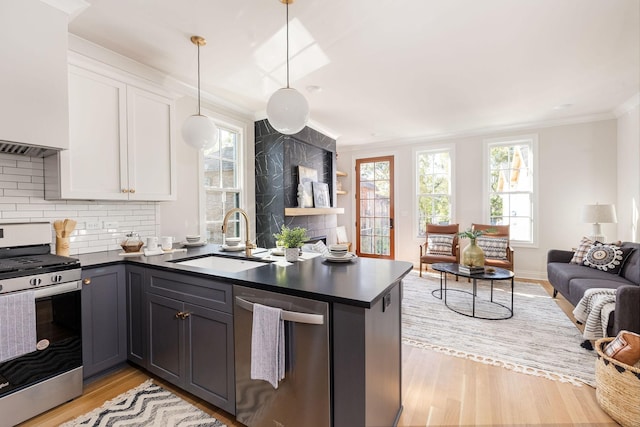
(572, 280)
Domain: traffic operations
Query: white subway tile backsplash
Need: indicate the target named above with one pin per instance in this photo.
(20, 171)
(23, 215)
(35, 207)
(15, 178)
(22, 199)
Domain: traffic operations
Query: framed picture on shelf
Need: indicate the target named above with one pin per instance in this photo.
(321, 195)
(306, 178)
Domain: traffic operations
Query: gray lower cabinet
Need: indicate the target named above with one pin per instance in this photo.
(136, 315)
(190, 335)
(104, 327)
(367, 362)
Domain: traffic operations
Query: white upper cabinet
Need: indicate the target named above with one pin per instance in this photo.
(120, 142)
(33, 76)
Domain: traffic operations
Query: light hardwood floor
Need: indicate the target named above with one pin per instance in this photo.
(438, 390)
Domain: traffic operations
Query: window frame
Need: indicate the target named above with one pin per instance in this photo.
(525, 139)
(450, 148)
(241, 184)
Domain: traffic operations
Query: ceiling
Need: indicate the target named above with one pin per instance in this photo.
(391, 70)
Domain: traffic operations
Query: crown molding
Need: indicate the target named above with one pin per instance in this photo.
(627, 106)
(373, 144)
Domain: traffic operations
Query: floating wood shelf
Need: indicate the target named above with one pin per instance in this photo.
(340, 192)
(340, 173)
(312, 211)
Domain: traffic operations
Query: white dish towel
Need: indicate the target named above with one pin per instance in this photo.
(267, 345)
(17, 324)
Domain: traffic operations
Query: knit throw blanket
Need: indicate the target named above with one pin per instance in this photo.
(593, 311)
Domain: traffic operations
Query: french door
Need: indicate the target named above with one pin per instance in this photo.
(374, 207)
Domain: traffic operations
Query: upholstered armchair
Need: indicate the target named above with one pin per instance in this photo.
(441, 245)
(496, 246)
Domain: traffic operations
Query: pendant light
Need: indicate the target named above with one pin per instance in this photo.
(287, 109)
(198, 130)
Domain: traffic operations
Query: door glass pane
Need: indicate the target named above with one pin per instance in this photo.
(382, 246)
(382, 171)
(366, 172)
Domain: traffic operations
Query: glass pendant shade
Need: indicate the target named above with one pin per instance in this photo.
(288, 111)
(199, 131)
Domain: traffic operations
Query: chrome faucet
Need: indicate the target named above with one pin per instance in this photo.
(248, 245)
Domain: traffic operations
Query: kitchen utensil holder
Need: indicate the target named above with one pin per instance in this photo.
(62, 246)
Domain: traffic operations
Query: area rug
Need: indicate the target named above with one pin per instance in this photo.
(538, 340)
(146, 405)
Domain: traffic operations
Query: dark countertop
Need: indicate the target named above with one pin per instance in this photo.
(360, 282)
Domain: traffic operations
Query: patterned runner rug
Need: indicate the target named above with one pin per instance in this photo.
(146, 405)
(538, 340)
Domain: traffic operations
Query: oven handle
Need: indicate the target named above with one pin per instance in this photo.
(290, 316)
(62, 288)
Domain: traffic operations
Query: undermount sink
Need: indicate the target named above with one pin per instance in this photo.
(224, 264)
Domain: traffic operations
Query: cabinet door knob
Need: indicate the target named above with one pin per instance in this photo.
(87, 281)
(124, 190)
(179, 315)
(185, 315)
(132, 190)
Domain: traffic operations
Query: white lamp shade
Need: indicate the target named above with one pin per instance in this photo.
(288, 111)
(199, 131)
(601, 214)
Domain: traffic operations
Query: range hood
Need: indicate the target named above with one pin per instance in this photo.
(25, 150)
(34, 106)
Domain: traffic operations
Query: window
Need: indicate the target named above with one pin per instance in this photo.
(511, 185)
(433, 188)
(222, 183)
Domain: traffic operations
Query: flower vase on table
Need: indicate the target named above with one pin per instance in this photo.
(472, 255)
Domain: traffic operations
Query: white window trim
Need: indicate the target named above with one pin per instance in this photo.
(245, 183)
(414, 173)
(511, 140)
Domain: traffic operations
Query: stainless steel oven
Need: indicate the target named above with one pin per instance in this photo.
(40, 321)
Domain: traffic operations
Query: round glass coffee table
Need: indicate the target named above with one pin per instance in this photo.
(494, 274)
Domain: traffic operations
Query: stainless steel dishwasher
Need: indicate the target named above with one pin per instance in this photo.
(303, 397)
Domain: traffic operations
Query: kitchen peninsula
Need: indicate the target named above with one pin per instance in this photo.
(363, 300)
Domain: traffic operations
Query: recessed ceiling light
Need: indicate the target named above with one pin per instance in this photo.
(314, 89)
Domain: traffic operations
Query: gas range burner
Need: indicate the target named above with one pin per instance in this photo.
(34, 263)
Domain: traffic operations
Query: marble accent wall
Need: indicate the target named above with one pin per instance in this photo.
(277, 159)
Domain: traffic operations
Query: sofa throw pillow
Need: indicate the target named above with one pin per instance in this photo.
(493, 247)
(624, 348)
(440, 244)
(605, 257)
(582, 249)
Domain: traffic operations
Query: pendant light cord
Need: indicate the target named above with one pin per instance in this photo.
(198, 44)
(287, 4)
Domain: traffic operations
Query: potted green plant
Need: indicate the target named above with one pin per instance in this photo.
(291, 239)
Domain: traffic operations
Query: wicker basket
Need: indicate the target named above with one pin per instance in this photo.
(617, 387)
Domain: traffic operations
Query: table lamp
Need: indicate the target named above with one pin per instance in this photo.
(598, 214)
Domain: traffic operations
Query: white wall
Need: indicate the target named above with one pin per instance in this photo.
(628, 204)
(576, 166)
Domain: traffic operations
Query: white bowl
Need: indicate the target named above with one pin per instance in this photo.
(193, 238)
(232, 241)
(338, 250)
